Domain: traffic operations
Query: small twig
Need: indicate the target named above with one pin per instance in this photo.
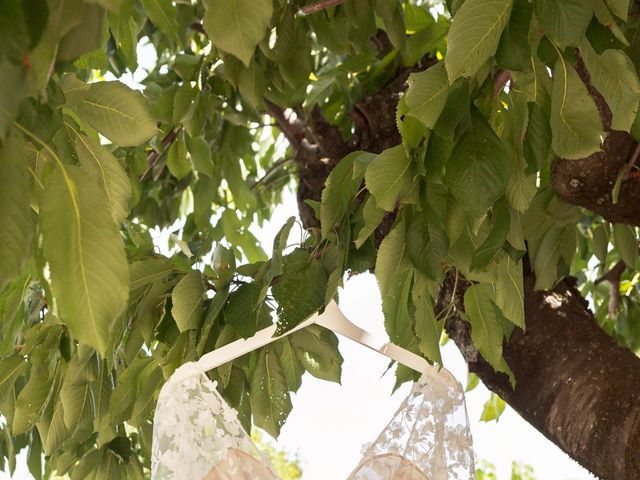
(197, 26)
(499, 81)
(316, 7)
(624, 174)
(292, 129)
(634, 158)
(614, 273)
(262, 180)
(613, 277)
(154, 155)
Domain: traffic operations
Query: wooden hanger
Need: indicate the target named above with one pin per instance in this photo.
(333, 319)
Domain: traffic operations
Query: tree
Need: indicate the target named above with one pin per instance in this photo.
(482, 161)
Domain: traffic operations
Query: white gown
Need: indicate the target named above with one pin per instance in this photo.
(196, 435)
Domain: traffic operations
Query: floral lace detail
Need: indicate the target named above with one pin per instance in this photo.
(430, 430)
(196, 435)
(194, 431)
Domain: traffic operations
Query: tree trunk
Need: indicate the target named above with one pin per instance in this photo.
(573, 382)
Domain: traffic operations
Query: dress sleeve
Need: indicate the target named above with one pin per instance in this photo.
(430, 432)
(195, 432)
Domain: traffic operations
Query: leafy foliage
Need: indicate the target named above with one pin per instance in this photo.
(94, 318)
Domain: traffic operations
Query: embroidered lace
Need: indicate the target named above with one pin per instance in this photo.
(196, 435)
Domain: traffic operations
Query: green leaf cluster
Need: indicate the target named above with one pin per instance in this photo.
(94, 318)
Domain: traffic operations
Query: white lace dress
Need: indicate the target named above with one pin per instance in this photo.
(196, 435)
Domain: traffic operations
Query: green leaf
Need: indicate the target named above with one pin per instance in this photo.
(89, 271)
(420, 250)
(16, 217)
(514, 50)
(187, 298)
(575, 122)
(237, 26)
(474, 35)
(486, 331)
(614, 76)
(102, 388)
(64, 15)
(392, 15)
(472, 381)
(275, 267)
(163, 14)
(476, 170)
(35, 457)
(339, 192)
(391, 262)
(117, 112)
(600, 242)
(427, 328)
(510, 290)
(243, 310)
(291, 366)
(388, 175)
(565, 21)
(13, 91)
(177, 160)
(372, 216)
(493, 408)
(300, 290)
(521, 187)
(51, 427)
(88, 35)
(427, 94)
(77, 403)
(106, 170)
(73, 88)
(124, 395)
(620, 8)
(113, 5)
(200, 153)
(270, 401)
(487, 250)
(252, 85)
(32, 399)
(10, 369)
(545, 262)
(625, 241)
(317, 350)
(149, 382)
(605, 18)
(147, 271)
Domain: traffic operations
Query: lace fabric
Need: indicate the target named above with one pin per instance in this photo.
(196, 435)
(430, 431)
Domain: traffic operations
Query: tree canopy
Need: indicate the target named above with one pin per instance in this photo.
(480, 156)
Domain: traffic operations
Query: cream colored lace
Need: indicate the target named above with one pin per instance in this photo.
(196, 435)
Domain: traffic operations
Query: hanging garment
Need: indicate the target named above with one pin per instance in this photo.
(196, 435)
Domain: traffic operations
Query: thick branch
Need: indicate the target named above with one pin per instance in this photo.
(573, 382)
(589, 182)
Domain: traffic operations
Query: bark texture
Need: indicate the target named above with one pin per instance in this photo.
(573, 382)
(589, 182)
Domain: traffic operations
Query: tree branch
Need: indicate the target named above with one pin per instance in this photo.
(318, 6)
(589, 182)
(154, 155)
(573, 382)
